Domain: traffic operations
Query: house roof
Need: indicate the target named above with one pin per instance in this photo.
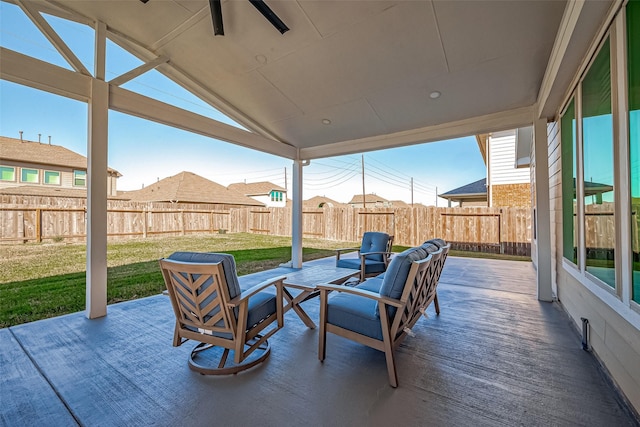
(320, 202)
(474, 189)
(256, 188)
(18, 150)
(287, 90)
(50, 191)
(187, 187)
(399, 204)
(370, 198)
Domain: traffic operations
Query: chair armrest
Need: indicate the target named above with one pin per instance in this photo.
(363, 254)
(363, 293)
(255, 289)
(346, 249)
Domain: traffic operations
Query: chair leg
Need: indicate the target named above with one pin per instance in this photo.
(435, 303)
(388, 346)
(322, 336)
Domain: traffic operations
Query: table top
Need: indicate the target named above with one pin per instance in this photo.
(309, 277)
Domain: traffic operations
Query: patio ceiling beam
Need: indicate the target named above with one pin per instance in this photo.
(52, 36)
(483, 124)
(138, 71)
(191, 84)
(28, 71)
(144, 107)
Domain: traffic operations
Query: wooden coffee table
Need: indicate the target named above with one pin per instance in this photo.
(306, 280)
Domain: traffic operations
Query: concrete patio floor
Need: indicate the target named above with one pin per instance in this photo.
(494, 356)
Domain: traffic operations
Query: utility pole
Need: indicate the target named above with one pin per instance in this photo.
(285, 179)
(411, 191)
(364, 197)
(436, 196)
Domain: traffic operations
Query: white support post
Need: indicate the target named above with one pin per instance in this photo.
(296, 214)
(543, 210)
(96, 291)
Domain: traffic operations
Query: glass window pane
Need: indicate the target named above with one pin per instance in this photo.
(29, 175)
(51, 177)
(597, 128)
(79, 178)
(633, 45)
(569, 176)
(7, 173)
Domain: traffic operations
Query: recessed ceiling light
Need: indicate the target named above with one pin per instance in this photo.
(326, 121)
(434, 95)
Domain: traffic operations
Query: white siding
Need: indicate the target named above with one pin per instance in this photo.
(502, 160)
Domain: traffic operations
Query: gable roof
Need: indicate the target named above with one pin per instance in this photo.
(18, 150)
(187, 187)
(370, 198)
(256, 188)
(320, 202)
(474, 189)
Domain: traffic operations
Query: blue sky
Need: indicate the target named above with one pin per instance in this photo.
(144, 151)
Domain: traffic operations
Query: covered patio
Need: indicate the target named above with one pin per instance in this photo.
(494, 356)
(348, 77)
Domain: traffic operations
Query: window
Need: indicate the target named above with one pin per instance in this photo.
(598, 168)
(569, 179)
(29, 175)
(80, 178)
(52, 177)
(633, 70)
(276, 196)
(7, 173)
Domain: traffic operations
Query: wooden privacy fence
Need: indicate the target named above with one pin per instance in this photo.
(498, 230)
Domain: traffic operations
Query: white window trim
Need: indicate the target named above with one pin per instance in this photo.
(619, 299)
(74, 178)
(30, 169)
(44, 173)
(15, 174)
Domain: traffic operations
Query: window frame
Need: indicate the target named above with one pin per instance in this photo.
(15, 175)
(44, 177)
(37, 171)
(75, 171)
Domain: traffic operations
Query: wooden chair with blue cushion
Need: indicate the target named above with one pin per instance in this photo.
(373, 254)
(381, 311)
(211, 308)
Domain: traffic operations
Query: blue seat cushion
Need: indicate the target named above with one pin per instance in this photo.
(374, 241)
(396, 275)
(370, 266)
(354, 313)
(430, 247)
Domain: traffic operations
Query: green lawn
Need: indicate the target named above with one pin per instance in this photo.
(38, 281)
(44, 280)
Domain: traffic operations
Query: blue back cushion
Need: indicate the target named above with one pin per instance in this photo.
(430, 247)
(396, 275)
(228, 265)
(438, 242)
(373, 241)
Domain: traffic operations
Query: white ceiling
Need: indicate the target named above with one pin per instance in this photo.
(367, 66)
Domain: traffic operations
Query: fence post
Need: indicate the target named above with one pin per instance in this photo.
(39, 225)
(144, 223)
(182, 233)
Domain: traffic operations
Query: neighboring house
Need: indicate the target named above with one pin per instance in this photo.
(508, 175)
(187, 187)
(320, 202)
(399, 204)
(372, 201)
(474, 194)
(267, 193)
(34, 168)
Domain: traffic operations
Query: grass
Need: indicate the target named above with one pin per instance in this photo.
(39, 281)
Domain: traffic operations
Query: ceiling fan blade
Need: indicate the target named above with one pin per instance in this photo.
(216, 16)
(270, 15)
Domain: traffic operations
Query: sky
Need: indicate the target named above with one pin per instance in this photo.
(144, 152)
